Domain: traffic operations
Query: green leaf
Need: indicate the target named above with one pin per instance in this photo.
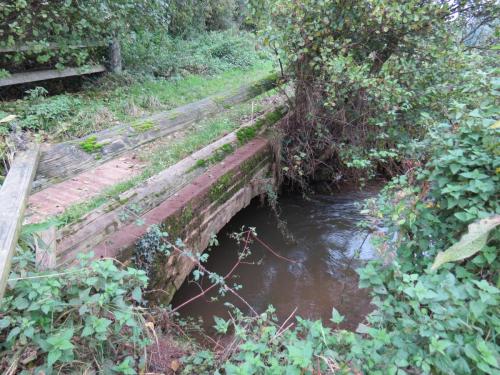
(101, 324)
(21, 303)
(137, 294)
(486, 353)
(221, 325)
(470, 243)
(336, 317)
(13, 333)
(53, 356)
(30, 229)
(4, 323)
(300, 353)
(87, 331)
(477, 308)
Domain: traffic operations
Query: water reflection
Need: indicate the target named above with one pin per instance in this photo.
(327, 241)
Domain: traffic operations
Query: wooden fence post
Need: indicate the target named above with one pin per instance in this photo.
(13, 196)
(115, 56)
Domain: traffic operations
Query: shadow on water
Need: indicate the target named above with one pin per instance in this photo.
(326, 239)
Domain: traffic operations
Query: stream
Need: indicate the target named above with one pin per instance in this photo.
(322, 275)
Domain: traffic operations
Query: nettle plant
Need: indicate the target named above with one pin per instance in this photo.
(43, 113)
(72, 320)
(431, 207)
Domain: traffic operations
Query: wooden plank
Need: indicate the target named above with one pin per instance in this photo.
(42, 75)
(50, 46)
(13, 197)
(64, 160)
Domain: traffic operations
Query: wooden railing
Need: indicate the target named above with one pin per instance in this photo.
(13, 197)
(114, 63)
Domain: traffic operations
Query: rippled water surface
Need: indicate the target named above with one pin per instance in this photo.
(326, 240)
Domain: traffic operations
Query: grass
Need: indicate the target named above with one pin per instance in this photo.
(99, 107)
(166, 154)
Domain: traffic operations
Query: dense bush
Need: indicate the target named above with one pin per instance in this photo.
(188, 17)
(375, 87)
(366, 71)
(67, 24)
(207, 53)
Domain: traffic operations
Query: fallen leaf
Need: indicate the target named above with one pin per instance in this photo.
(9, 118)
(174, 365)
(470, 243)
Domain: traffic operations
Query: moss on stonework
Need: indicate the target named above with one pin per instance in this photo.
(248, 166)
(221, 187)
(142, 126)
(265, 84)
(90, 145)
(216, 157)
(176, 225)
(248, 133)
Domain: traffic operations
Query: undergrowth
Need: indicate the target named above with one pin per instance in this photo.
(115, 99)
(90, 145)
(72, 320)
(162, 55)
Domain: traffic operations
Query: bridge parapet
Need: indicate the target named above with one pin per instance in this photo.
(188, 203)
(203, 208)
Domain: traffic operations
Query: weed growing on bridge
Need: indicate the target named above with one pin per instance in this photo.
(90, 145)
(221, 190)
(248, 133)
(149, 247)
(142, 126)
(219, 155)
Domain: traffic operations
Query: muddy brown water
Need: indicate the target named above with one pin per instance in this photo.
(326, 237)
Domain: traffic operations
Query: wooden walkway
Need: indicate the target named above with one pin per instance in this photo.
(55, 199)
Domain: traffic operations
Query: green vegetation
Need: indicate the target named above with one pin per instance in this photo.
(90, 145)
(372, 78)
(428, 319)
(219, 191)
(219, 155)
(211, 53)
(142, 126)
(374, 106)
(112, 99)
(405, 90)
(67, 25)
(142, 26)
(247, 133)
(74, 318)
